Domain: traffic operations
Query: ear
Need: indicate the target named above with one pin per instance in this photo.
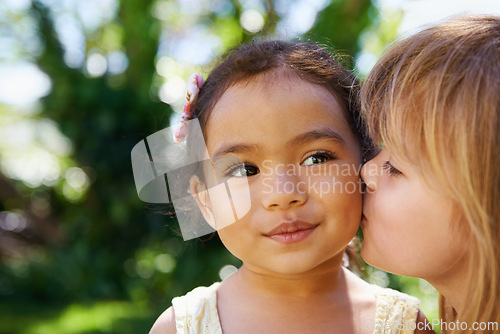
(199, 192)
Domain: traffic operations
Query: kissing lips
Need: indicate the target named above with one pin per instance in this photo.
(292, 232)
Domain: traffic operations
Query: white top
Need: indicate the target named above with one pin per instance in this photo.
(196, 312)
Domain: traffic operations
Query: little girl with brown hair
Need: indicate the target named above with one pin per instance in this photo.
(288, 114)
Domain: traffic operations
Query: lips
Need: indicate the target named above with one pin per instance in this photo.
(292, 232)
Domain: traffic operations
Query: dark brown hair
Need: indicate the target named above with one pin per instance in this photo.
(307, 61)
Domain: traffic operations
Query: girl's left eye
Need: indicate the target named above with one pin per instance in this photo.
(242, 170)
(391, 170)
(318, 158)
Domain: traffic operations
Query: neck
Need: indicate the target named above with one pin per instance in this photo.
(453, 297)
(452, 287)
(324, 280)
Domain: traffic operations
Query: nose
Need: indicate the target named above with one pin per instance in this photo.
(283, 192)
(370, 174)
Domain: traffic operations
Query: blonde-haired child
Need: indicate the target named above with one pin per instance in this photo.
(285, 115)
(432, 207)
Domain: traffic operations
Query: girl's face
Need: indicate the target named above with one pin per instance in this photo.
(407, 226)
(301, 162)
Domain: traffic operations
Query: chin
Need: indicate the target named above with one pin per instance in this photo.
(370, 257)
(380, 262)
(292, 268)
(365, 253)
(296, 264)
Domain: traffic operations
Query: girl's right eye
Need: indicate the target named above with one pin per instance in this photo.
(393, 171)
(242, 170)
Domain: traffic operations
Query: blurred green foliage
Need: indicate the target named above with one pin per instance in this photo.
(98, 260)
(341, 23)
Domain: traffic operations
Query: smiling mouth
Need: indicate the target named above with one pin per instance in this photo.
(293, 232)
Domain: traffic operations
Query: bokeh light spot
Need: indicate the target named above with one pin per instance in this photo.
(252, 21)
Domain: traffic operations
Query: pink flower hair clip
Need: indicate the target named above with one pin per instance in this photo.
(194, 84)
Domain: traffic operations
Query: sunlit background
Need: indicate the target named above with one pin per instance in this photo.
(80, 83)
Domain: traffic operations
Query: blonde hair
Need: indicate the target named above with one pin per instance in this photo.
(434, 99)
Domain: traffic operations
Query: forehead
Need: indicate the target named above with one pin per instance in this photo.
(268, 110)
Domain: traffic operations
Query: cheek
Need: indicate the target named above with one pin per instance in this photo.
(410, 235)
(412, 218)
(391, 233)
(391, 210)
(342, 202)
(234, 239)
(230, 202)
(386, 225)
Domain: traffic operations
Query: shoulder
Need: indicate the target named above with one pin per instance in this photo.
(196, 299)
(165, 324)
(392, 304)
(196, 308)
(395, 308)
(392, 308)
(393, 297)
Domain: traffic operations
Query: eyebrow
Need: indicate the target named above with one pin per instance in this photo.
(303, 138)
(238, 148)
(310, 136)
